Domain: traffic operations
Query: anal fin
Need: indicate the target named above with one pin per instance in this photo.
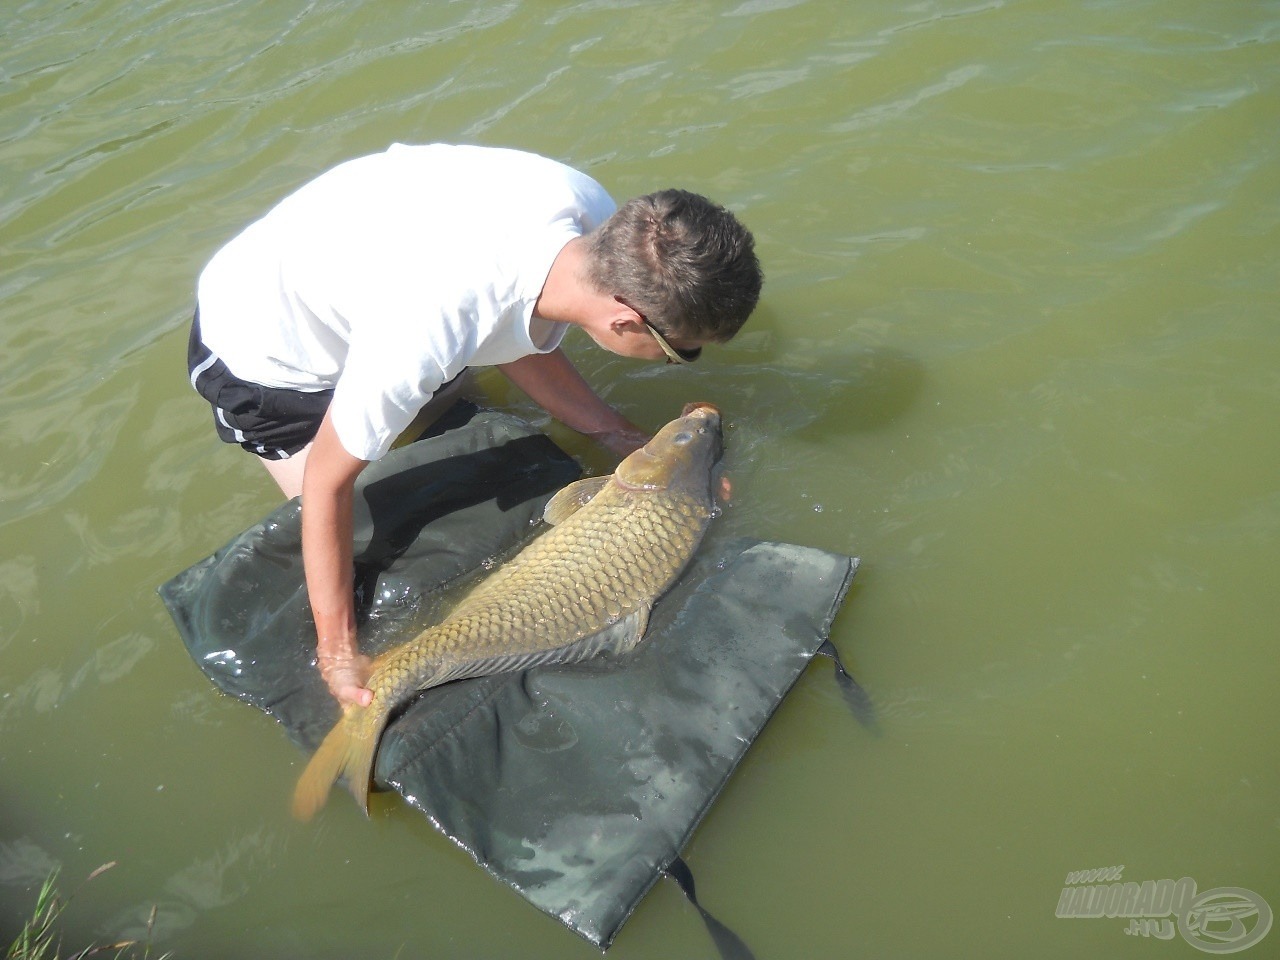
(616, 638)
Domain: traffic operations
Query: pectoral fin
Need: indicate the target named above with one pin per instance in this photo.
(569, 500)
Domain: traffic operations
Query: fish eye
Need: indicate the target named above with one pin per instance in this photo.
(683, 437)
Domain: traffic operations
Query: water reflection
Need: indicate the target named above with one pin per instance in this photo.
(210, 882)
(24, 863)
(818, 386)
(47, 688)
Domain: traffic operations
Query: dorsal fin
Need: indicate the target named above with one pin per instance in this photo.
(569, 500)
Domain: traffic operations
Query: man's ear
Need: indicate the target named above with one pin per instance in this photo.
(624, 317)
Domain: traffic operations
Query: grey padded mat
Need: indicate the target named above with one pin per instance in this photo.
(574, 785)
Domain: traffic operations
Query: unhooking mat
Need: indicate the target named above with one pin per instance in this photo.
(575, 785)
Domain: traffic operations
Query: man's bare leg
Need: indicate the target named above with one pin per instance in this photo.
(288, 473)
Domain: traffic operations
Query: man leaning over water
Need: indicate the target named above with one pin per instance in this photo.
(356, 304)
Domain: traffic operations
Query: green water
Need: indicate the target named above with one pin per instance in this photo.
(1018, 350)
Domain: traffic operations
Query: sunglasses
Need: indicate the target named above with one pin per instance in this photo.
(674, 354)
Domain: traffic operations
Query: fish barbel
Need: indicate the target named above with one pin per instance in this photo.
(616, 544)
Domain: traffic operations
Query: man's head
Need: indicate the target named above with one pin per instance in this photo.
(685, 264)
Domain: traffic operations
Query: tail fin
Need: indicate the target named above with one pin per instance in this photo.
(347, 751)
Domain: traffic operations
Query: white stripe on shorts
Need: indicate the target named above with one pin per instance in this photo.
(222, 418)
(204, 365)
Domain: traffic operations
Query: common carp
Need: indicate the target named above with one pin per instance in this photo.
(616, 544)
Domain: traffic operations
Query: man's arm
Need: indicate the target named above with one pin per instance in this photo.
(555, 384)
(327, 494)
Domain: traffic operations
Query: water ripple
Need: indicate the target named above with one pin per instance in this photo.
(879, 113)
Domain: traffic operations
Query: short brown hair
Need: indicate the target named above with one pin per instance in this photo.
(687, 264)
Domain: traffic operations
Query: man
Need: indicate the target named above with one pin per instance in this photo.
(326, 327)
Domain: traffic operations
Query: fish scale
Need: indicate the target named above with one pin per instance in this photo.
(604, 562)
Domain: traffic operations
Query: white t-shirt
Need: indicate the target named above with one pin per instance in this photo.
(388, 275)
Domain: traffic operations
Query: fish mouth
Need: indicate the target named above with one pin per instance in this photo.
(700, 405)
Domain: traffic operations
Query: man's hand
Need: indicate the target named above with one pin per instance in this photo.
(346, 677)
(622, 441)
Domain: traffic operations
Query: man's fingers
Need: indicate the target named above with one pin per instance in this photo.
(346, 678)
(359, 696)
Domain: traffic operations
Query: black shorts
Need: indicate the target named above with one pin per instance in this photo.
(271, 422)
